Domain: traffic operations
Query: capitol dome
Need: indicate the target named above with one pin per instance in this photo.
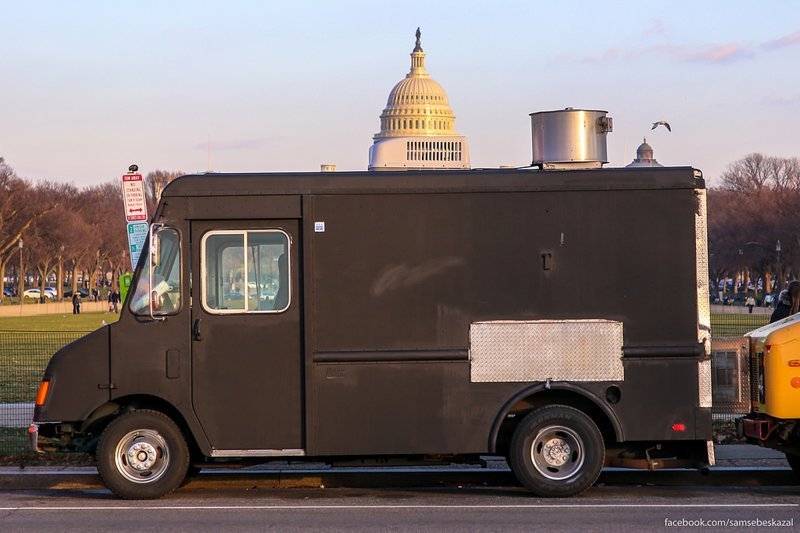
(418, 107)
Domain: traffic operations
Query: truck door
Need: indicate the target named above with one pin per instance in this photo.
(246, 348)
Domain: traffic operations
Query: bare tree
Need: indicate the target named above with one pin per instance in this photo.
(20, 207)
(155, 182)
(757, 206)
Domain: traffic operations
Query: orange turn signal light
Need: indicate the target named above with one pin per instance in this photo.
(678, 427)
(41, 396)
(796, 383)
(794, 362)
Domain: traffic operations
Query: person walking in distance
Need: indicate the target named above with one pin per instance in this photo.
(76, 303)
(750, 303)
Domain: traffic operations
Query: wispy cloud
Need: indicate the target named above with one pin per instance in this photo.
(656, 28)
(710, 54)
(609, 55)
(791, 39)
(718, 53)
(237, 144)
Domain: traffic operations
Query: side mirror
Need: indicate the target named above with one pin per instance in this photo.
(154, 248)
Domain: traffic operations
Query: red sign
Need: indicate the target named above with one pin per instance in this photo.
(133, 195)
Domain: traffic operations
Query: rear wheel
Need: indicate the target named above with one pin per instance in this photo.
(557, 451)
(142, 455)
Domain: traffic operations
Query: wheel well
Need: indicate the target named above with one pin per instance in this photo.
(104, 414)
(551, 397)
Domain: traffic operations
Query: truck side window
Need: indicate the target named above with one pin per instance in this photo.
(245, 271)
(166, 277)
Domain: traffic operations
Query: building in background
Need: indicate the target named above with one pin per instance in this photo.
(417, 125)
(644, 157)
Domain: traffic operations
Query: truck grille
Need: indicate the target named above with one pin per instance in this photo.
(757, 395)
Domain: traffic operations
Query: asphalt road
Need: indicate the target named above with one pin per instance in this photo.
(602, 508)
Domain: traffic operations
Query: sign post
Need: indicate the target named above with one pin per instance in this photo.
(135, 214)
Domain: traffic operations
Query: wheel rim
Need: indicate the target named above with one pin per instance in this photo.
(557, 452)
(142, 456)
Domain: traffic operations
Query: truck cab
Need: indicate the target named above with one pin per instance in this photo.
(774, 421)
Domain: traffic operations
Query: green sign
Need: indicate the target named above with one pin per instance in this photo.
(124, 284)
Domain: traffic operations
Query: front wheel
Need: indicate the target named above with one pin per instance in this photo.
(142, 455)
(557, 451)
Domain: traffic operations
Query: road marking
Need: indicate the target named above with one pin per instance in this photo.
(400, 506)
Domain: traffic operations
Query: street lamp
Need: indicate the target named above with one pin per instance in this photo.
(780, 276)
(21, 274)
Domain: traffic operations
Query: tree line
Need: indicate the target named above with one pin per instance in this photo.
(71, 233)
(754, 224)
(56, 229)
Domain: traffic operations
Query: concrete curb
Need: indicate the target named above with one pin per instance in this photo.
(88, 479)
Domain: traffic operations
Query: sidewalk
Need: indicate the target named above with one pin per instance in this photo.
(737, 464)
(51, 308)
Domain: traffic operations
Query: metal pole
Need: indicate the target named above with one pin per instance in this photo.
(780, 274)
(21, 276)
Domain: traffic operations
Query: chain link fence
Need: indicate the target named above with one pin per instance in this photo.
(23, 358)
(730, 366)
(25, 354)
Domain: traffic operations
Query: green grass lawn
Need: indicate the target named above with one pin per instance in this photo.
(57, 322)
(734, 324)
(27, 343)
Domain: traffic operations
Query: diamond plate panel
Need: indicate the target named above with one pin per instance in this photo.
(712, 460)
(538, 350)
(701, 246)
(704, 382)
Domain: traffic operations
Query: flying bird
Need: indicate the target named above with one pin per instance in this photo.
(661, 123)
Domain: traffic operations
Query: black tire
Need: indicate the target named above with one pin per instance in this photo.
(557, 451)
(142, 455)
(794, 462)
(191, 474)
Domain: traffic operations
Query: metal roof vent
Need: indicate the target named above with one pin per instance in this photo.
(570, 138)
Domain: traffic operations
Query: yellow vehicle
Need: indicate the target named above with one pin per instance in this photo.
(774, 421)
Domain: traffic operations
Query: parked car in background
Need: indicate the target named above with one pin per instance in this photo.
(36, 293)
(83, 292)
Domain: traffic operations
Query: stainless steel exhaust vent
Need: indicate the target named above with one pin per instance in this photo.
(570, 138)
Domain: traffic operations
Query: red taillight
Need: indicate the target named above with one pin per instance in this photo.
(678, 427)
(41, 396)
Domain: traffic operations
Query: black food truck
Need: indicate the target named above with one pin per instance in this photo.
(557, 318)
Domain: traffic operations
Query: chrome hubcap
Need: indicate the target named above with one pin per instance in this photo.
(142, 456)
(557, 452)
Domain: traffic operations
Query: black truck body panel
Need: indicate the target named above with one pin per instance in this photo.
(372, 357)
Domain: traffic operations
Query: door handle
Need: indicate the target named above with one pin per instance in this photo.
(196, 329)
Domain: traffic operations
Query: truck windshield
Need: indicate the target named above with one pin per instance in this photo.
(166, 288)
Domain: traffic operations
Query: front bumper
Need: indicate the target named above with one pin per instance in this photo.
(756, 428)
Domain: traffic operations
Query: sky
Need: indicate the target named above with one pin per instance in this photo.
(87, 88)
